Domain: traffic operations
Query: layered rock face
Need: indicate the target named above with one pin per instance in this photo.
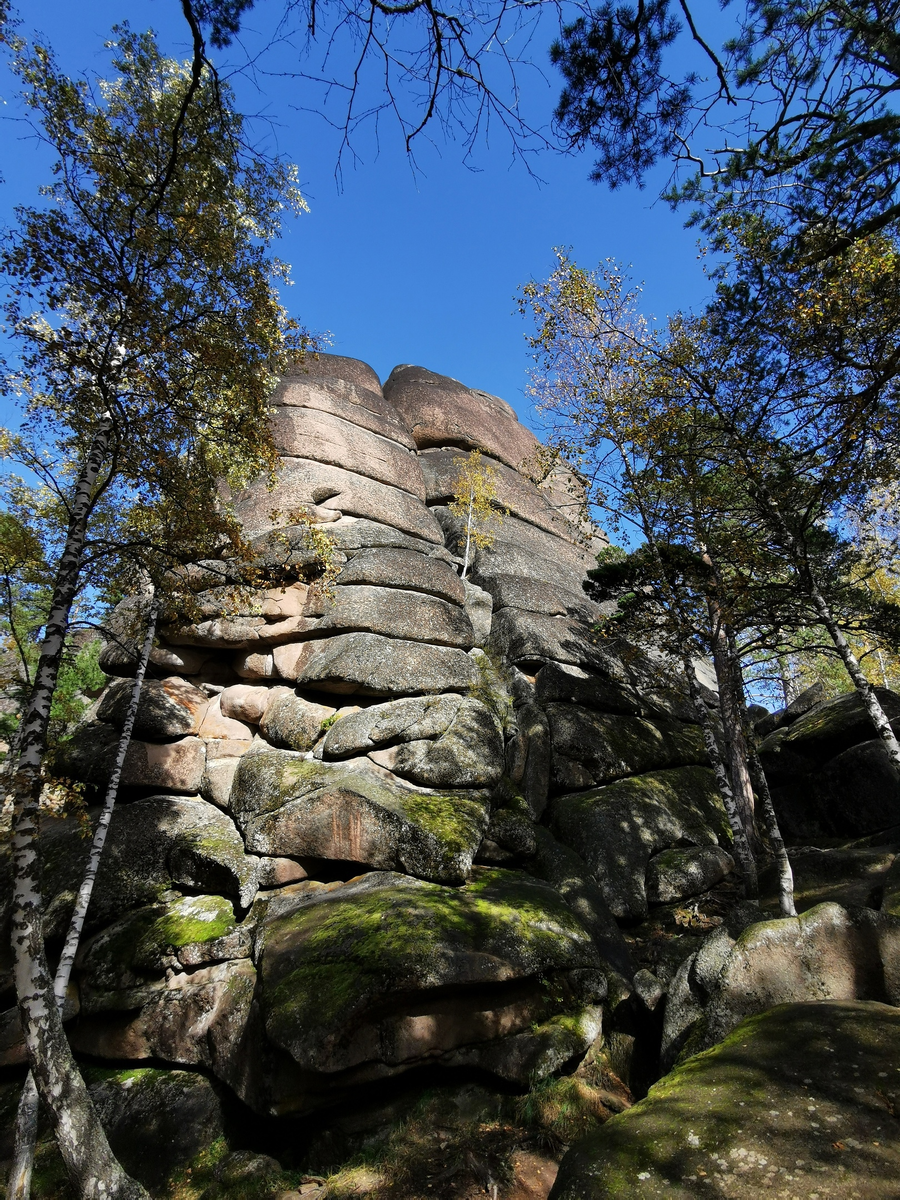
(390, 824)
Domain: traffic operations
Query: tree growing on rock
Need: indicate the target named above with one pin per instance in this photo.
(140, 298)
(475, 503)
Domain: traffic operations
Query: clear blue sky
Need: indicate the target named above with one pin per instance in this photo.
(403, 266)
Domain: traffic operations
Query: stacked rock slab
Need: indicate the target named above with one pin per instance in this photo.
(388, 824)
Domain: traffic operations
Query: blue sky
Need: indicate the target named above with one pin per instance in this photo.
(403, 265)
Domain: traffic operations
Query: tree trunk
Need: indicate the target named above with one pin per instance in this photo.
(19, 1187)
(736, 746)
(761, 784)
(854, 670)
(742, 851)
(82, 1142)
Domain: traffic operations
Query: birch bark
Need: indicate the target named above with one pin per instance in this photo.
(82, 1142)
(19, 1187)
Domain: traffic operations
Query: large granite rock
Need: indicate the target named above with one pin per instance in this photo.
(439, 742)
(397, 613)
(306, 433)
(167, 841)
(378, 666)
(168, 708)
(619, 827)
(361, 405)
(333, 368)
(397, 567)
(384, 974)
(591, 748)
(796, 1102)
(351, 813)
(301, 482)
(440, 411)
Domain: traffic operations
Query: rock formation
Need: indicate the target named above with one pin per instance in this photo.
(399, 823)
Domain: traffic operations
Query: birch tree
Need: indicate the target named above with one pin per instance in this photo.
(141, 302)
(475, 503)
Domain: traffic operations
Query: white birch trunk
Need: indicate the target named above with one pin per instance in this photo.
(19, 1187)
(742, 851)
(82, 1143)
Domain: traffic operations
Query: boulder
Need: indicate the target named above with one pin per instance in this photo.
(795, 1103)
(386, 973)
(849, 877)
(301, 482)
(440, 411)
(217, 727)
(307, 433)
(676, 874)
(830, 728)
(218, 776)
(351, 534)
(534, 595)
(89, 754)
(287, 805)
(397, 613)
(156, 1120)
(855, 793)
(560, 682)
(608, 746)
(480, 610)
(243, 702)
(291, 722)
(827, 953)
(380, 666)
(201, 1017)
(334, 368)
(352, 402)
(515, 493)
(167, 841)
(619, 827)
(531, 639)
(255, 665)
(520, 548)
(529, 758)
(442, 741)
(168, 708)
(411, 570)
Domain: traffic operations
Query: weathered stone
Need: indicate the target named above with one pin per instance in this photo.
(531, 639)
(243, 702)
(827, 953)
(279, 872)
(397, 721)
(518, 495)
(334, 368)
(534, 595)
(520, 549)
(380, 666)
(216, 726)
(609, 746)
(351, 534)
(467, 750)
(626, 681)
(218, 776)
(347, 812)
(440, 411)
(167, 708)
(360, 405)
(835, 726)
(307, 433)
(166, 841)
(255, 665)
(178, 660)
(568, 873)
(176, 766)
(399, 567)
(618, 828)
(847, 876)
(124, 630)
(787, 1106)
(855, 793)
(359, 977)
(122, 966)
(675, 874)
(531, 772)
(240, 633)
(399, 614)
(291, 722)
(479, 609)
(300, 481)
(196, 1018)
(156, 1121)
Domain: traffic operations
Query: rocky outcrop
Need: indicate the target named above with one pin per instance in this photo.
(387, 822)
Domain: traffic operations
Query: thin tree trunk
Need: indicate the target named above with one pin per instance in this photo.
(742, 851)
(758, 776)
(854, 670)
(19, 1187)
(79, 1134)
(468, 538)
